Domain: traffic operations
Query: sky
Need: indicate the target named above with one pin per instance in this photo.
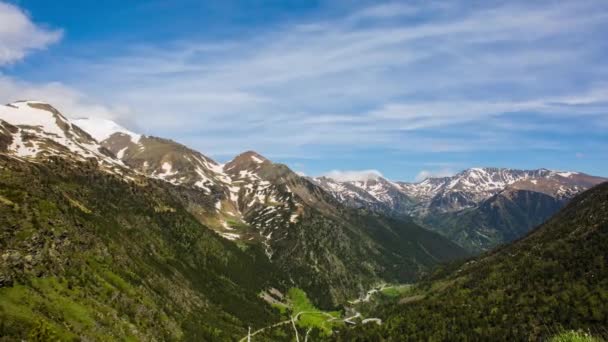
(405, 89)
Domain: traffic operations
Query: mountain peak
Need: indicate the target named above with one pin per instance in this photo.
(38, 130)
(252, 155)
(245, 161)
(102, 129)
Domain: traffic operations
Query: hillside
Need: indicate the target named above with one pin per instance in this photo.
(331, 251)
(501, 218)
(553, 279)
(328, 249)
(86, 254)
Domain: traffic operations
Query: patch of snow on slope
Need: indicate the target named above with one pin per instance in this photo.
(28, 116)
(101, 129)
(167, 169)
(294, 218)
(19, 147)
(44, 124)
(121, 153)
(201, 185)
(226, 226)
(230, 236)
(234, 193)
(566, 174)
(256, 159)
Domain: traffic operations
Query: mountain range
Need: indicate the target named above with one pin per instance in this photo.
(477, 208)
(552, 280)
(324, 247)
(113, 234)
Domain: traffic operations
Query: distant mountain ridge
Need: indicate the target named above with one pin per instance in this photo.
(553, 279)
(469, 187)
(463, 190)
(330, 250)
(478, 208)
(446, 205)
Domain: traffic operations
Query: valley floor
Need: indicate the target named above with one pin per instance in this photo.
(302, 319)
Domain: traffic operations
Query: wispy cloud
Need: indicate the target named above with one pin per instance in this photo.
(71, 102)
(393, 76)
(424, 174)
(353, 175)
(19, 35)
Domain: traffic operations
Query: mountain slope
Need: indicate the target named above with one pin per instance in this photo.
(331, 251)
(469, 187)
(86, 254)
(374, 193)
(477, 208)
(554, 278)
(501, 218)
(31, 129)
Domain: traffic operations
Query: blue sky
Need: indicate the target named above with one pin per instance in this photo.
(410, 89)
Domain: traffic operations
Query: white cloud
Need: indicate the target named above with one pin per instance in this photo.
(19, 35)
(67, 100)
(366, 80)
(353, 175)
(446, 82)
(424, 174)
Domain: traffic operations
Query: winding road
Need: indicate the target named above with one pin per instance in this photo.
(293, 319)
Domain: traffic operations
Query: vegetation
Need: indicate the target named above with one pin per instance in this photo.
(87, 256)
(309, 315)
(334, 252)
(554, 279)
(499, 219)
(396, 290)
(574, 336)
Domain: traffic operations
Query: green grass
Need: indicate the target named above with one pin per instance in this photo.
(94, 257)
(281, 307)
(313, 318)
(574, 336)
(6, 201)
(236, 224)
(396, 291)
(48, 297)
(119, 283)
(77, 204)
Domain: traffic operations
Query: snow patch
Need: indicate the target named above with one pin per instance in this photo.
(256, 159)
(102, 129)
(230, 236)
(567, 174)
(121, 153)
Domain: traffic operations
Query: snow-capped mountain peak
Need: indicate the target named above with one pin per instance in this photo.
(102, 129)
(463, 190)
(33, 129)
(249, 160)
